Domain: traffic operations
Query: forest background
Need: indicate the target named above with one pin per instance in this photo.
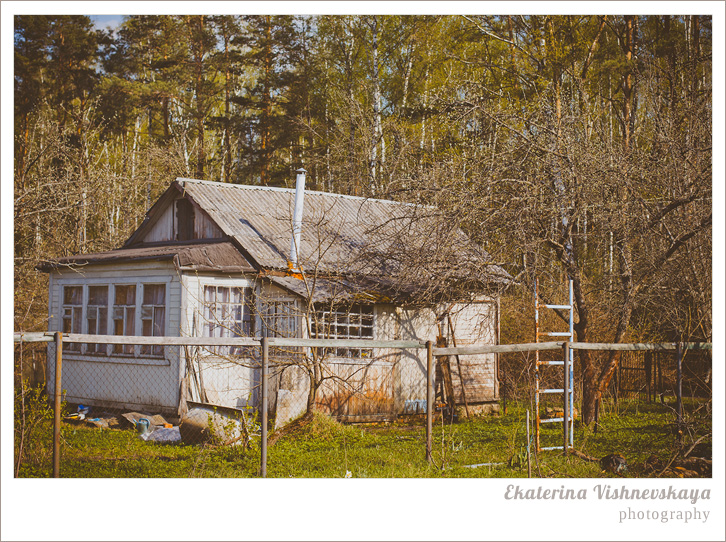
(568, 146)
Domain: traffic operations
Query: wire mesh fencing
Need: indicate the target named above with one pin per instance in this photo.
(162, 406)
(210, 396)
(126, 409)
(33, 414)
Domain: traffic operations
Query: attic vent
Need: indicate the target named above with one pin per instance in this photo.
(184, 220)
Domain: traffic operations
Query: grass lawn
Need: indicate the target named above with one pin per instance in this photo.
(325, 448)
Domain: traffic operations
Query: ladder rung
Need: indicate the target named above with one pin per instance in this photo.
(558, 306)
(552, 420)
(557, 334)
(551, 362)
(552, 448)
(552, 391)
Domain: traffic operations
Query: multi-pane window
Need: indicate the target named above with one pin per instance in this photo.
(97, 316)
(100, 309)
(346, 322)
(279, 318)
(153, 312)
(228, 313)
(124, 315)
(72, 314)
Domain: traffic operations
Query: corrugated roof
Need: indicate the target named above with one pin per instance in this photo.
(318, 290)
(341, 234)
(357, 247)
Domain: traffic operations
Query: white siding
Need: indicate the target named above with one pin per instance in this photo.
(414, 324)
(140, 382)
(474, 323)
(386, 329)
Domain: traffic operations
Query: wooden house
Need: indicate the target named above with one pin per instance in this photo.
(225, 260)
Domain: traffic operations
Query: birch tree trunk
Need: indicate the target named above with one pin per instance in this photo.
(376, 163)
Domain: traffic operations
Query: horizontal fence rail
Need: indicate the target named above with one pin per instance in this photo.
(350, 343)
(214, 341)
(496, 348)
(531, 347)
(35, 337)
(265, 363)
(632, 347)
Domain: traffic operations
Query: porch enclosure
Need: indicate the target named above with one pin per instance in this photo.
(156, 299)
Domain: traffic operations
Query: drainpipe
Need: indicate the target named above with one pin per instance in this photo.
(294, 262)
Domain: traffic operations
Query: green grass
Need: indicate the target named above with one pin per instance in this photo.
(327, 449)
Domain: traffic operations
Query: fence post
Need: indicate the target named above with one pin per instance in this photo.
(263, 407)
(429, 398)
(679, 389)
(566, 387)
(648, 362)
(529, 456)
(618, 376)
(503, 384)
(57, 404)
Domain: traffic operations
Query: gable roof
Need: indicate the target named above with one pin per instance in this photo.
(353, 246)
(341, 235)
(260, 220)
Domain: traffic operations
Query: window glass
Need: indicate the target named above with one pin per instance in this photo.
(280, 318)
(112, 309)
(228, 312)
(345, 322)
(153, 312)
(73, 295)
(72, 314)
(124, 315)
(97, 316)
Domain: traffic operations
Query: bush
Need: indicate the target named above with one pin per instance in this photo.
(33, 429)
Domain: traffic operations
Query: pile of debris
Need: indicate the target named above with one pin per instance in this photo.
(201, 423)
(150, 427)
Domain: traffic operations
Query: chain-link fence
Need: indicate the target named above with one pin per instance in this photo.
(162, 406)
(678, 375)
(206, 395)
(640, 375)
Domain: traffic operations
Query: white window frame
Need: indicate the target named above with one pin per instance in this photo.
(225, 329)
(70, 347)
(109, 356)
(290, 313)
(346, 322)
(96, 349)
(155, 350)
(125, 349)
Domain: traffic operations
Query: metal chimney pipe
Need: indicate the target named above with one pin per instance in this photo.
(297, 219)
